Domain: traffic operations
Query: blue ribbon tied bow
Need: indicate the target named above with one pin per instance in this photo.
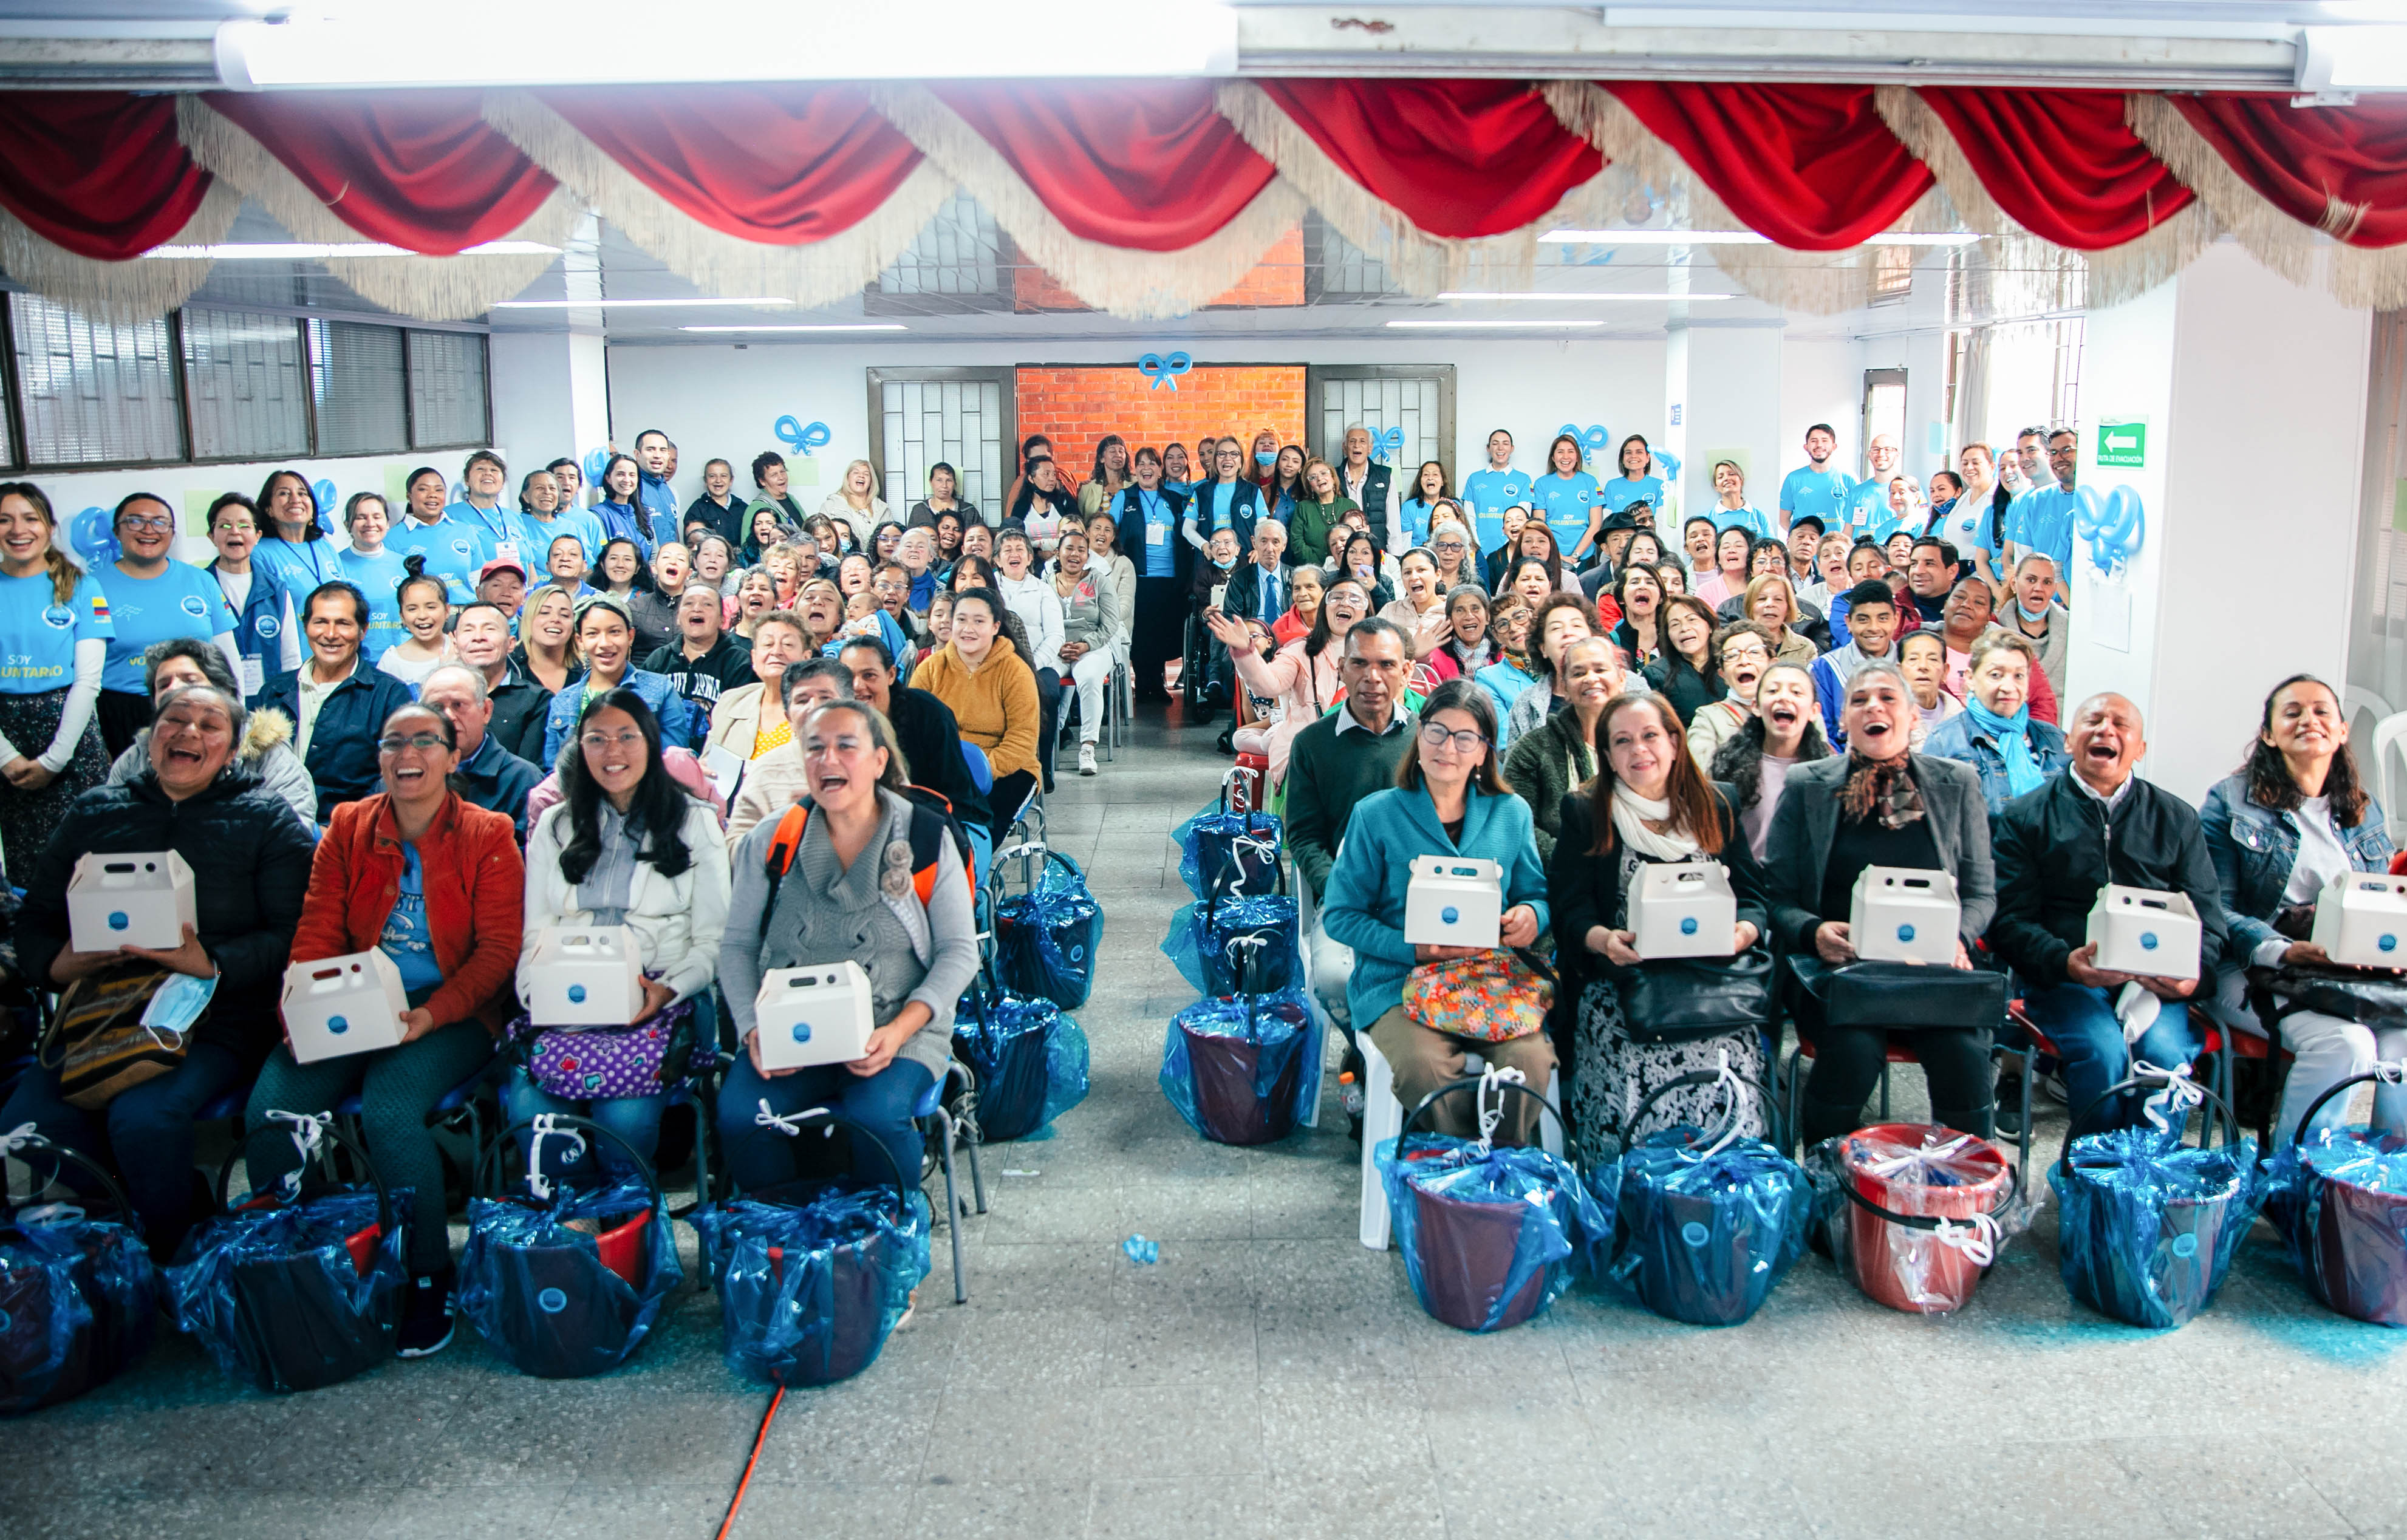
(2116, 526)
(1386, 444)
(801, 437)
(1593, 440)
(1165, 370)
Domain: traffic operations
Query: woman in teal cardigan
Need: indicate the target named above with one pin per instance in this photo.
(1450, 800)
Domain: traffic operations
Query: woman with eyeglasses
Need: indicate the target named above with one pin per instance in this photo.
(1514, 669)
(1450, 800)
(437, 884)
(625, 845)
(1449, 547)
(150, 597)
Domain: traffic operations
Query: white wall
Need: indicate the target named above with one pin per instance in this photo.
(1820, 382)
(1736, 412)
(550, 394)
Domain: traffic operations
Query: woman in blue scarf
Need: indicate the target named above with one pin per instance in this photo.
(1996, 735)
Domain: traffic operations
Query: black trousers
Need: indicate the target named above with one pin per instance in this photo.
(1847, 1062)
(1049, 718)
(124, 714)
(1009, 792)
(1158, 633)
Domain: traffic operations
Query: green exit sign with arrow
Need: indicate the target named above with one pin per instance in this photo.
(2123, 444)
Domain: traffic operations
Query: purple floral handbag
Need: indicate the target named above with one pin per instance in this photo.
(602, 1063)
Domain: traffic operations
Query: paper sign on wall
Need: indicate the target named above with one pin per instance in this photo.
(2124, 444)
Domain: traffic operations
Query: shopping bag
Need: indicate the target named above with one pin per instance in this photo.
(1243, 1069)
(563, 1282)
(1912, 1212)
(1489, 1234)
(2148, 1226)
(1229, 846)
(1211, 940)
(813, 1278)
(79, 1296)
(1027, 1058)
(1045, 938)
(2339, 1198)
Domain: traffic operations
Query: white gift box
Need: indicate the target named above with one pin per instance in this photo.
(343, 1005)
(590, 976)
(819, 1015)
(1903, 914)
(1454, 900)
(142, 898)
(2361, 920)
(2144, 932)
(1682, 910)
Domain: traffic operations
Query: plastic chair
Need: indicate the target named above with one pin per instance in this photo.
(981, 768)
(2389, 760)
(1792, 1087)
(1383, 1118)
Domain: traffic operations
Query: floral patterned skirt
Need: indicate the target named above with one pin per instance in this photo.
(1614, 1073)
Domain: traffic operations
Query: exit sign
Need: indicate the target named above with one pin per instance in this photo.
(2123, 444)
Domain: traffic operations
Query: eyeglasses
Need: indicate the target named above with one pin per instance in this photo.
(610, 740)
(424, 742)
(137, 522)
(1434, 737)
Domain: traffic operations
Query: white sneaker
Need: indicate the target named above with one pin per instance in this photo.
(1086, 758)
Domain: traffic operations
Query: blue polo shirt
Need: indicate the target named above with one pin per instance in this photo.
(1821, 493)
(1488, 494)
(1621, 491)
(377, 575)
(1868, 508)
(1747, 516)
(1158, 559)
(454, 550)
(182, 601)
(1565, 503)
(38, 634)
(2042, 521)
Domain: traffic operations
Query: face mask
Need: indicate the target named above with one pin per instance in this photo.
(2039, 614)
(1265, 461)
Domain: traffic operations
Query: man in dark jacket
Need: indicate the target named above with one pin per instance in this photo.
(481, 632)
(489, 774)
(924, 729)
(2094, 825)
(250, 856)
(336, 701)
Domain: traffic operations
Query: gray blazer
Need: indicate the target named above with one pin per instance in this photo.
(1799, 850)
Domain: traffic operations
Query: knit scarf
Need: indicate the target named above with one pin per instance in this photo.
(1631, 813)
(1519, 660)
(2012, 737)
(1881, 787)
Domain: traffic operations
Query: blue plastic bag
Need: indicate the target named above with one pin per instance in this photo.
(1703, 1234)
(2148, 1225)
(1229, 851)
(1046, 939)
(1489, 1234)
(294, 1296)
(79, 1302)
(1210, 943)
(2339, 1198)
(540, 1292)
(1029, 1057)
(808, 1293)
(1244, 1071)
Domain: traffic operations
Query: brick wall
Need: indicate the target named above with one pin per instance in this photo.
(1076, 406)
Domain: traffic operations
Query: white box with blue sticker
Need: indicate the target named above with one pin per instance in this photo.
(135, 898)
(339, 1005)
(1682, 908)
(2361, 920)
(819, 1015)
(1454, 900)
(2143, 932)
(585, 975)
(1903, 914)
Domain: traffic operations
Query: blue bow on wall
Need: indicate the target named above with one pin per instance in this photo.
(1667, 464)
(92, 539)
(596, 462)
(1593, 440)
(1386, 444)
(803, 438)
(2116, 526)
(1165, 369)
(322, 491)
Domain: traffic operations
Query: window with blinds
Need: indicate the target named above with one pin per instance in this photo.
(355, 376)
(446, 390)
(244, 374)
(92, 392)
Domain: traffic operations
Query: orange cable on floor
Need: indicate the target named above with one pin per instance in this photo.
(759, 1439)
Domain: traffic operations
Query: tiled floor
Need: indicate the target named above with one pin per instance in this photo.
(1269, 1376)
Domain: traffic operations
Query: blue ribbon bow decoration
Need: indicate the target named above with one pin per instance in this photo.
(1667, 464)
(1165, 370)
(321, 493)
(1386, 444)
(92, 539)
(596, 462)
(1593, 440)
(801, 437)
(2116, 526)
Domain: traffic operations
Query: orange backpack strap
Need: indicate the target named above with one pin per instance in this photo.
(787, 840)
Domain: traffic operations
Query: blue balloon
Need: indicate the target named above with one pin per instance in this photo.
(1666, 461)
(323, 492)
(596, 462)
(2089, 511)
(90, 536)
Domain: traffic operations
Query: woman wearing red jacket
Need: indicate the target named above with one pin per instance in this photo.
(437, 884)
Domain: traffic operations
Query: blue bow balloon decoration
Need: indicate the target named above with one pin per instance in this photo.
(1667, 464)
(321, 493)
(596, 462)
(2115, 525)
(92, 539)
(801, 437)
(1593, 440)
(1165, 370)
(1386, 444)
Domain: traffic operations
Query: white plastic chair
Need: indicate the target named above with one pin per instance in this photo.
(1383, 1118)
(2389, 762)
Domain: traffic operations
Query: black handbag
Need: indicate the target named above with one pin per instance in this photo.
(1682, 999)
(1904, 996)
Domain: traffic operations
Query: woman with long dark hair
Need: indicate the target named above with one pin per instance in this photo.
(1685, 671)
(1638, 593)
(621, 510)
(1111, 476)
(1647, 804)
(1538, 542)
(2294, 817)
(1043, 506)
(1636, 481)
(1302, 674)
(292, 546)
(944, 497)
(625, 845)
(1782, 727)
(54, 624)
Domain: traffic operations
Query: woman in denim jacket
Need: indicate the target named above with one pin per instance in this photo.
(2293, 818)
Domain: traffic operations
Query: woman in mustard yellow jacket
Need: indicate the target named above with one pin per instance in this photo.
(992, 693)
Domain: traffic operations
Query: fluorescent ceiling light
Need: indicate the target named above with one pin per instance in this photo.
(541, 42)
(1483, 325)
(757, 302)
(832, 326)
(1465, 293)
(1730, 237)
(308, 251)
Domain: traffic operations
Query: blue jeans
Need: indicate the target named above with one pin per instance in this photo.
(146, 1132)
(760, 1156)
(633, 1119)
(2080, 1021)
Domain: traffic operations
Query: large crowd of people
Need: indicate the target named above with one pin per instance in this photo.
(468, 723)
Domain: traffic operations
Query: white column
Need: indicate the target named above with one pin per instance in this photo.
(1674, 441)
(2242, 578)
(551, 392)
(1737, 415)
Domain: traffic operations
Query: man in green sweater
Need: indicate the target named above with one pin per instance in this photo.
(1335, 762)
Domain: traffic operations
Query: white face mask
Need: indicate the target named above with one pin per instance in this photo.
(2029, 614)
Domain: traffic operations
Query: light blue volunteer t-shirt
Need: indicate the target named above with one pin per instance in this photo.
(182, 601)
(298, 567)
(1621, 491)
(378, 575)
(1868, 508)
(1747, 516)
(455, 550)
(1158, 559)
(1821, 493)
(1565, 503)
(38, 634)
(406, 938)
(495, 527)
(535, 538)
(1488, 494)
(2042, 521)
(1416, 515)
